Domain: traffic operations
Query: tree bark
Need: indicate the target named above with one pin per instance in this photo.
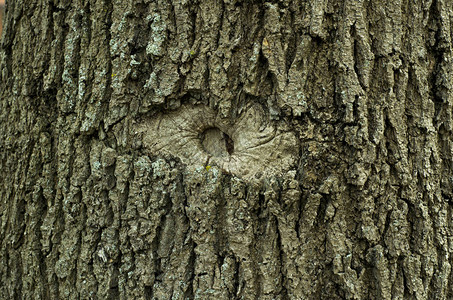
(226, 149)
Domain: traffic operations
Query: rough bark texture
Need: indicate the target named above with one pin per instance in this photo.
(2, 8)
(359, 205)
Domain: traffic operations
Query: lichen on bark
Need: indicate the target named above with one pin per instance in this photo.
(97, 200)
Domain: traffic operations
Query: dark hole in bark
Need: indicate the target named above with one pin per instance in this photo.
(216, 142)
(228, 143)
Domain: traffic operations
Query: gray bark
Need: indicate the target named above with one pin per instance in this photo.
(226, 149)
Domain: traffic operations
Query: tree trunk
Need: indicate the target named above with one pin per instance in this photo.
(226, 149)
(2, 8)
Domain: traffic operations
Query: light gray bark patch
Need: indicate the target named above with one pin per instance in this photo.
(216, 142)
(198, 135)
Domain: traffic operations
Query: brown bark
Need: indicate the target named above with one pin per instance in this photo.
(340, 187)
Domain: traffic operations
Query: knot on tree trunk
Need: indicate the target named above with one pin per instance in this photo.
(245, 146)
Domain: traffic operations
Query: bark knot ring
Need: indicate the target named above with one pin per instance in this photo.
(245, 146)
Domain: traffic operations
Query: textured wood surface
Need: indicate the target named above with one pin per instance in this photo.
(359, 208)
